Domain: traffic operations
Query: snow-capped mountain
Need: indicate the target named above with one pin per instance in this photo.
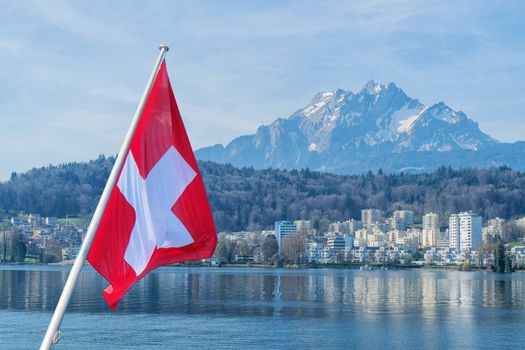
(377, 127)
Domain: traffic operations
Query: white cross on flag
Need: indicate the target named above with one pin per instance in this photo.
(158, 212)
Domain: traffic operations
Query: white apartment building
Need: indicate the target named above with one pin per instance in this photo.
(465, 231)
(453, 231)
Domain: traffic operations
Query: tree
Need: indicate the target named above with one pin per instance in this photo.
(12, 246)
(484, 252)
(244, 198)
(512, 232)
(270, 248)
(226, 249)
(50, 258)
(18, 248)
(407, 259)
(3, 244)
(499, 258)
(465, 266)
(508, 264)
(294, 248)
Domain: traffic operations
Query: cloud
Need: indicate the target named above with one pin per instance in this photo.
(76, 21)
(81, 67)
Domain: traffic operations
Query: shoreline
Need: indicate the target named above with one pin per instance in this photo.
(362, 267)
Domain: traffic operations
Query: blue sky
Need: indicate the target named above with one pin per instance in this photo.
(73, 72)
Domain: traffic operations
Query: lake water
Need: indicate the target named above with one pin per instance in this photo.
(219, 308)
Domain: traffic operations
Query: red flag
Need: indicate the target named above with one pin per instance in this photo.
(158, 212)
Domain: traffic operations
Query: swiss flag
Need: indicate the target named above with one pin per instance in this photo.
(158, 212)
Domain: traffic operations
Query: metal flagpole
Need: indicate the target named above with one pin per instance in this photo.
(53, 333)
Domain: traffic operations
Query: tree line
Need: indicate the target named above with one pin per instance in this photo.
(249, 199)
(12, 245)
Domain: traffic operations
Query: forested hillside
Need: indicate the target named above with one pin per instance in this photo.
(253, 199)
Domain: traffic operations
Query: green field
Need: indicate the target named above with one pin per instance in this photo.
(74, 221)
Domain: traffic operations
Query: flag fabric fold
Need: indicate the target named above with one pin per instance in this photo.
(158, 212)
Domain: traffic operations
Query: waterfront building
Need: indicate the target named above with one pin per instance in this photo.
(445, 255)
(313, 251)
(70, 253)
(349, 241)
(361, 255)
(348, 254)
(465, 231)
(336, 242)
(327, 256)
(430, 256)
(283, 228)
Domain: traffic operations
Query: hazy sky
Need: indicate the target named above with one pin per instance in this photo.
(73, 72)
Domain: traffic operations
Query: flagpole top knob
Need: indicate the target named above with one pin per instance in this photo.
(166, 47)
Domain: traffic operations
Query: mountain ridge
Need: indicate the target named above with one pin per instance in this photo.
(341, 131)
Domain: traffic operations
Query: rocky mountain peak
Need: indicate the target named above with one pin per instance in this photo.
(339, 130)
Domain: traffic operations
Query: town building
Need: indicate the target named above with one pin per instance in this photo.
(453, 231)
(493, 229)
(339, 227)
(521, 222)
(51, 221)
(397, 224)
(336, 242)
(465, 231)
(349, 241)
(406, 218)
(370, 216)
(303, 226)
(283, 228)
(430, 230)
(313, 251)
(354, 225)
